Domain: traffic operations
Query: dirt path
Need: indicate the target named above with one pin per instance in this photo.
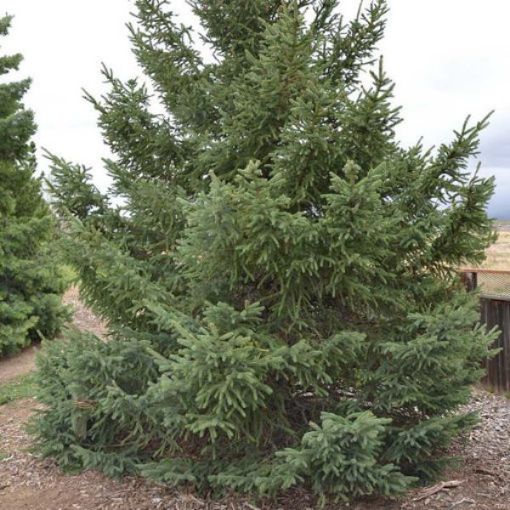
(18, 365)
(83, 318)
(30, 483)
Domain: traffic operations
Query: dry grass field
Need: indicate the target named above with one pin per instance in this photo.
(494, 281)
(498, 255)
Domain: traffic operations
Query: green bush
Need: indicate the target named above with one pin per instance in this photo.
(278, 277)
(31, 283)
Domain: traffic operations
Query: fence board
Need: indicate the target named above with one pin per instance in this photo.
(495, 312)
(505, 354)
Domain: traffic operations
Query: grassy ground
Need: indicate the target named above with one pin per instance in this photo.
(21, 387)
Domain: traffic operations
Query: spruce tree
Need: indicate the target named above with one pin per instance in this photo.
(30, 281)
(278, 273)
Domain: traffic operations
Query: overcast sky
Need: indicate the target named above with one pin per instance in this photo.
(449, 58)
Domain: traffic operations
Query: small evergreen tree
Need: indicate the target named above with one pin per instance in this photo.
(30, 281)
(280, 277)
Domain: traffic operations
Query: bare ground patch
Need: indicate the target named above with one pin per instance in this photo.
(16, 366)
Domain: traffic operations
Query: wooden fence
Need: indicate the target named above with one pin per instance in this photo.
(496, 312)
(494, 289)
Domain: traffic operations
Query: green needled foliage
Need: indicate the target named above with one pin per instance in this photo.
(278, 274)
(30, 281)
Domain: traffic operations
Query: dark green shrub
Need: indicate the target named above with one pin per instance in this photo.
(279, 278)
(31, 283)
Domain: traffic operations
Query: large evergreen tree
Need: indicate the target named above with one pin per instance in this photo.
(30, 281)
(279, 277)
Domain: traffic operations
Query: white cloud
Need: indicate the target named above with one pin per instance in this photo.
(64, 44)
